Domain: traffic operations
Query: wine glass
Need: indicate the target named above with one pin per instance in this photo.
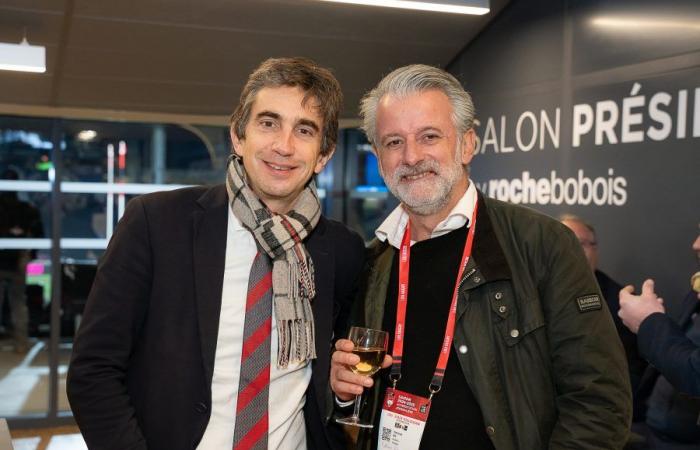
(370, 346)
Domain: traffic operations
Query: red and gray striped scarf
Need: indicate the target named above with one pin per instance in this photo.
(281, 236)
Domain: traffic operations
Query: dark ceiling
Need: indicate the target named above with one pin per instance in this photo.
(193, 56)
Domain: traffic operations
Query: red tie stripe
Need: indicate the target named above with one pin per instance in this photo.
(251, 426)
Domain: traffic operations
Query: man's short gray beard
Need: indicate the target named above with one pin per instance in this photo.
(446, 182)
(427, 209)
(421, 207)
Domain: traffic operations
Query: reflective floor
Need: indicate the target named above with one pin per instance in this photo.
(61, 438)
(24, 379)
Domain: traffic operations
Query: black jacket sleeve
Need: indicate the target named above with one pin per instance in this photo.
(662, 342)
(114, 314)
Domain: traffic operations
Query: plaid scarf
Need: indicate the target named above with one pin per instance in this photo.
(280, 236)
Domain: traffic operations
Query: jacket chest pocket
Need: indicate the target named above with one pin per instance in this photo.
(513, 317)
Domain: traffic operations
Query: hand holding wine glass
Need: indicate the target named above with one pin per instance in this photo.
(354, 362)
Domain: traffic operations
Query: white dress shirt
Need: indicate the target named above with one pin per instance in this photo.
(287, 386)
(393, 227)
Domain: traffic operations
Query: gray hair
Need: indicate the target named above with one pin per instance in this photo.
(574, 218)
(412, 79)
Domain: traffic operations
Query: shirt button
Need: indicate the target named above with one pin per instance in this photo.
(477, 279)
(498, 295)
(502, 309)
(514, 333)
(463, 349)
(490, 430)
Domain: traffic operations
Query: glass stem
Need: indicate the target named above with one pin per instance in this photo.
(356, 408)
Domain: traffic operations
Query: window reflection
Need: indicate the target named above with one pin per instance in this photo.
(104, 164)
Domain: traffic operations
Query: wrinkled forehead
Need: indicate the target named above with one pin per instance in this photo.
(415, 109)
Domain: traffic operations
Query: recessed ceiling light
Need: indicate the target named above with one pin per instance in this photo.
(474, 7)
(87, 135)
(645, 23)
(23, 57)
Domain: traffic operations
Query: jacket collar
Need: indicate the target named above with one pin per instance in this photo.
(488, 261)
(487, 257)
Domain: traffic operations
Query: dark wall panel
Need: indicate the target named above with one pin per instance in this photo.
(623, 78)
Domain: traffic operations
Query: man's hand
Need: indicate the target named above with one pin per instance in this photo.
(635, 308)
(344, 383)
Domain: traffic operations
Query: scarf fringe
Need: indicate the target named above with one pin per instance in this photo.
(296, 337)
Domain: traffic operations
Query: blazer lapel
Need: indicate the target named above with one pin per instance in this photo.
(209, 248)
(322, 306)
(375, 290)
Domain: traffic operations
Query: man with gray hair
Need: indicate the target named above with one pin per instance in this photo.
(500, 338)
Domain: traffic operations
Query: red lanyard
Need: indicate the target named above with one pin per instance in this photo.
(400, 331)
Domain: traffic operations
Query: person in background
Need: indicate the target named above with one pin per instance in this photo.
(586, 235)
(505, 337)
(671, 344)
(18, 219)
(210, 321)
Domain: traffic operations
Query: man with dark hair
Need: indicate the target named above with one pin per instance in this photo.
(212, 304)
(271, 73)
(499, 331)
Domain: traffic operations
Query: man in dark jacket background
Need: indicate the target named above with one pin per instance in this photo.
(671, 344)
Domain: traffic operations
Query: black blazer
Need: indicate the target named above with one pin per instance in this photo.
(141, 370)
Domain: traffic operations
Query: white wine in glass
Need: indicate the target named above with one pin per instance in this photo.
(370, 346)
(370, 360)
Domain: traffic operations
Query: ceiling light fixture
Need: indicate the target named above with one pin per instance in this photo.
(87, 135)
(474, 7)
(23, 57)
(635, 23)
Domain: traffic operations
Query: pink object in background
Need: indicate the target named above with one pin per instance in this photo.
(35, 268)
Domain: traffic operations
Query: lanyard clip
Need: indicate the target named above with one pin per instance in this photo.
(394, 378)
(433, 389)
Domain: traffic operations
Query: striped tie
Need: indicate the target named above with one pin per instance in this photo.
(253, 391)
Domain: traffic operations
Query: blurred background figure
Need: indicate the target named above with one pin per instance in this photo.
(610, 289)
(18, 219)
(671, 344)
